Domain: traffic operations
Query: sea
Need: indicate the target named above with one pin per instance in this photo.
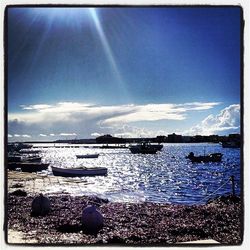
(166, 177)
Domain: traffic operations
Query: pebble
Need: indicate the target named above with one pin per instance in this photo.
(128, 224)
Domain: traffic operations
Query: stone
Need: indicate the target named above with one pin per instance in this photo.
(92, 219)
(40, 205)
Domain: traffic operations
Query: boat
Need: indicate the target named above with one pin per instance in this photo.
(28, 166)
(158, 146)
(215, 157)
(22, 158)
(29, 151)
(113, 146)
(87, 156)
(144, 148)
(231, 144)
(74, 172)
(15, 147)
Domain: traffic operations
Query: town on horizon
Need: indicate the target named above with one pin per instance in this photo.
(170, 138)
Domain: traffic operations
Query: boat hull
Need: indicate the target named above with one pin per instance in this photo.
(87, 156)
(24, 159)
(135, 150)
(231, 144)
(26, 151)
(206, 158)
(76, 172)
(28, 166)
(113, 147)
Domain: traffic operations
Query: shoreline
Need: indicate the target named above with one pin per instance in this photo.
(134, 224)
(125, 223)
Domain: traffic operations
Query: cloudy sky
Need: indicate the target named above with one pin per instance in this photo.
(84, 72)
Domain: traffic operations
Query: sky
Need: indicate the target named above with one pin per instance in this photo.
(129, 72)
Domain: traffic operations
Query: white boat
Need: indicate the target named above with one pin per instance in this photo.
(74, 172)
(29, 151)
(87, 156)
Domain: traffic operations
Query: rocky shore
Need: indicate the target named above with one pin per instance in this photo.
(138, 224)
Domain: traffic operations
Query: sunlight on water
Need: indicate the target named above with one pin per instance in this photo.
(166, 177)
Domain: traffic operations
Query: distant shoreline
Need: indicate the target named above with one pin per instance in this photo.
(171, 138)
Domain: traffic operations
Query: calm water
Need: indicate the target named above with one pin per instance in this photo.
(167, 177)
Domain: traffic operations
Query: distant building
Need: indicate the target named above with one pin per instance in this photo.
(109, 139)
(174, 138)
(186, 139)
(213, 138)
(161, 139)
(199, 138)
(234, 137)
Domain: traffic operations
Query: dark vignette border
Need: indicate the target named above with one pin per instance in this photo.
(5, 28)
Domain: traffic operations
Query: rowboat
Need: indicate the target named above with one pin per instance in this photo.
(87, 156)
(21, 158)
(29, 151)
(28, 166)
(216, 157)
(74, 172)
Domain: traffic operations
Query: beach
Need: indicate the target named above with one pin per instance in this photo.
(143, 223)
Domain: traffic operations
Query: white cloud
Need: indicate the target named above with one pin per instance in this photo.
(36, 107)
(227, 121)
(132, 131)
(68, 111)
(85, 118)
(68, 134)
(10, 136)
(95, 134)
(42, 135)
(26, 136)
(17, 135)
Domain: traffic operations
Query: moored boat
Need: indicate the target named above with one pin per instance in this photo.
(231, 144)
(15, 147)
(22, 158)
(87, 156)
(215, 157)
(28, 166)
(144, 148)
(157, 146)
(29, 151)
(112, 146)
(74, 172)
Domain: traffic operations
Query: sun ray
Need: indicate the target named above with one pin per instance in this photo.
(108, 51)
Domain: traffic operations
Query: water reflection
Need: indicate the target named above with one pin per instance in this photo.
(165, 177)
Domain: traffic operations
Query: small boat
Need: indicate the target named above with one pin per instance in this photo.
(74, 172)
(215, 157)
(28, 166)
(113, 146)
(21, 158)
(15, 147)
(87, 156)
(158, 146)
(144, 148)
(29, 151)
(231, 144)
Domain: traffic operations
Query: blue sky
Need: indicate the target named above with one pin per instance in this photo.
(82, 72)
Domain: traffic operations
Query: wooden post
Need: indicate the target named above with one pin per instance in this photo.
(233, 185)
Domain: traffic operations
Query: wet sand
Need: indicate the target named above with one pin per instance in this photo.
(124, 223)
